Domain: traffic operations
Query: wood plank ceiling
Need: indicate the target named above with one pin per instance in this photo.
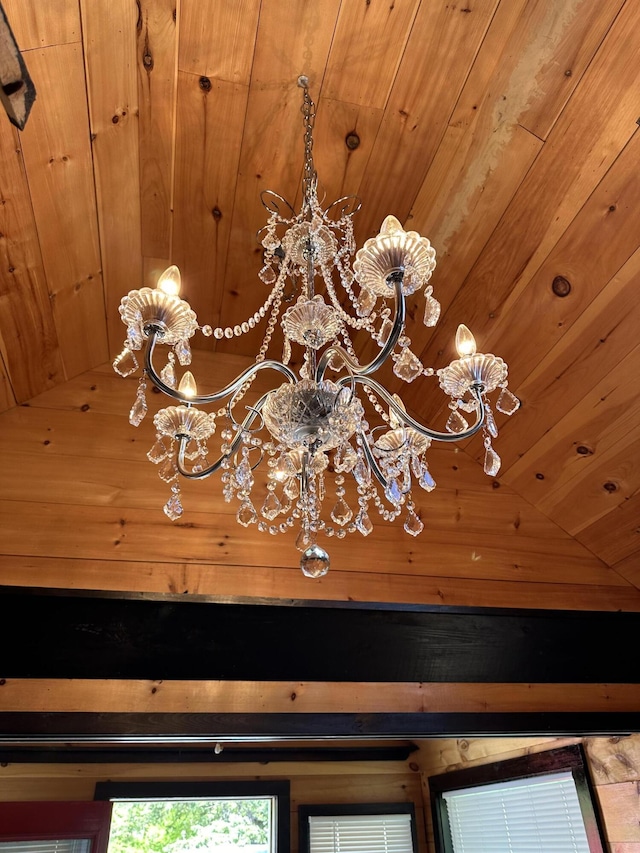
(504, 130)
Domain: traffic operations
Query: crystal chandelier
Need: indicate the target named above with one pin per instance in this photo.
(325, 464)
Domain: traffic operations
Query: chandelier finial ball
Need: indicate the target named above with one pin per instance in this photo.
(169, 281)
(314, 562)
(465, 342)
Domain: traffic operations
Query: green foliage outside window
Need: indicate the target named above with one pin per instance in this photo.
(186, 826)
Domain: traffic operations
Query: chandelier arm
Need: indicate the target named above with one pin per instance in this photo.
(476, 390)
(254, 412)
(356, 369)
(203, 399)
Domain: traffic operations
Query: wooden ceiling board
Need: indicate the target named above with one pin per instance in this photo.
(600, 339)
(7, 400)
(30, 349)
(225, 581)
(367, 48)
(442, 47)
(217, 39)
(495, 129)
(110, 45)
(592, 130)
(605, 422)
(205, 185)
(32, 29)
(616, 535)
(57, 156)
(506, 132)
(136, 695)
(156, 52)
(609, 218)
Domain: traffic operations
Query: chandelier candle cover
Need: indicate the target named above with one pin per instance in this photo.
(312, 429)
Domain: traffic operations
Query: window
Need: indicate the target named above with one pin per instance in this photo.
(362, 828)
(189, 816)
(54, 827)
(536, 803)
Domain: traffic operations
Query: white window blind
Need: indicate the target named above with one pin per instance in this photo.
(378, 833)
(535, 815)
(67, 845)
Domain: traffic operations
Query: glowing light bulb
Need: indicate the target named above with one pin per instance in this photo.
(169, 281)
(188, 385)
(465, 342)
(391, 226)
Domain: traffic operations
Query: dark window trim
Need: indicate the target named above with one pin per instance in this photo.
(550, 761)
(339, 809)
(190, 790)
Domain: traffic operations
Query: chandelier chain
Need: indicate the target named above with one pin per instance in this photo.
(310, 176)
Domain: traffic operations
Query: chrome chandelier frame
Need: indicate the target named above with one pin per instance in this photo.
(310, 415)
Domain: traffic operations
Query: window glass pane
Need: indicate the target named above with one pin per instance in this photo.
(521, 816)
(187, 826)
(382, 833)
(67, 845)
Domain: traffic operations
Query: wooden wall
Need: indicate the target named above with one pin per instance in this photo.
(311, 783)
(613, 763)
(614, 767)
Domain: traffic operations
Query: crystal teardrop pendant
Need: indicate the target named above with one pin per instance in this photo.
(492, 461)
(413, 525)
(341, 513)
(362, 472)
(246, 514)
(384, 331)
(139, 408)
(363, 523)
(314, 562)
(158, 452)
(431, 311)
(126, 363)
(490, 421)
(243, 475)
(426, 480)
(267, 274)
(507, 402)
(291, 488)
(168, 373)
(183, 351)
(134, 337)
(392, 492)
(168, 471)
(408, 366)
(365, 302)
(304, 540)
(456, 423)
(271, 506)
(173, 508)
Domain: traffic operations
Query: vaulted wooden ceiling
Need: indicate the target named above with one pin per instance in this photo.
(504, 130)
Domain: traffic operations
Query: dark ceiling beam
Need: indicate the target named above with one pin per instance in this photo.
(87, 637)
(107, 754)
(19, 730)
